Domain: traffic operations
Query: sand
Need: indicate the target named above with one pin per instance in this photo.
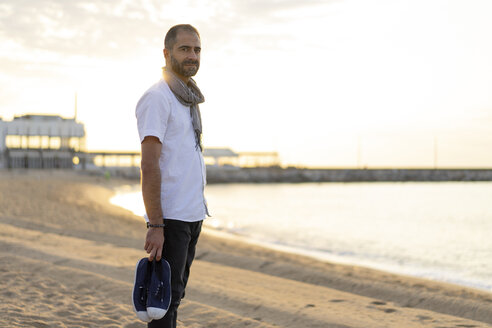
(67, 259)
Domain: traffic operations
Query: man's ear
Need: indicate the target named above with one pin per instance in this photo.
(166, 53)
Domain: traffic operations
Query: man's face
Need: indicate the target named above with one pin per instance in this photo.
(185, 55)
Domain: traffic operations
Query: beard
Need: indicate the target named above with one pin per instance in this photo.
(180, 68)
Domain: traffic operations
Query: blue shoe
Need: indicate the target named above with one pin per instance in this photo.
(140, 289)
(159, 296)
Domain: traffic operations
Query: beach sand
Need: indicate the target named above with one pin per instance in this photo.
(67, 259)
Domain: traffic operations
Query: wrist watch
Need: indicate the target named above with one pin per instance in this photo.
(149, 225)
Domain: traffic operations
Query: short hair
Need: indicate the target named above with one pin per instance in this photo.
(170, 39)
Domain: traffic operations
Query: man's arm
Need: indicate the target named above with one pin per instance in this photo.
(151, 191)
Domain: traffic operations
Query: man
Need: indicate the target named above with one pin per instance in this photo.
(173, 170)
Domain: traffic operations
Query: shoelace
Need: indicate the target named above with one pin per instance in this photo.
(143, 294)
(160, 289)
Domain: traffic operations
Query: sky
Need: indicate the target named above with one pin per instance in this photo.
(325, 83)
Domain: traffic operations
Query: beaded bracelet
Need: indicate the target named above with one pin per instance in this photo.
(149, 225)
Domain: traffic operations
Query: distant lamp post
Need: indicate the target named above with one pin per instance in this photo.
(435, 152)
(75, 109)
(359, 152)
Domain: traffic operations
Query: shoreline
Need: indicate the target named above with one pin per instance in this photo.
(78, 254)
(338, 259)
(433, 274)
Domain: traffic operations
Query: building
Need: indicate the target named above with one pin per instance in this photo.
(220, 157)
(225, 157)
(40, 141)
(259, 159)
(50, 141)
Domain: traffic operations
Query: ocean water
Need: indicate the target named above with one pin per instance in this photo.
(441, 231)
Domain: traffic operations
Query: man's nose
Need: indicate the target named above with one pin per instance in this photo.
(192, 55)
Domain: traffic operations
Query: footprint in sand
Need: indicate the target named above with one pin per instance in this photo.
(387, 310)
(337, 301)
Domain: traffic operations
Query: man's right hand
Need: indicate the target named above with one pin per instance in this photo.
(154, 242)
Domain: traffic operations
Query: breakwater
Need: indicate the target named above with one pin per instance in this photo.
(293, 175)
(297, 175)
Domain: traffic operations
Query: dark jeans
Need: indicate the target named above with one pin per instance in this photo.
(180, 240)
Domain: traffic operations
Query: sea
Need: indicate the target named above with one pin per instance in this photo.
(436, 230)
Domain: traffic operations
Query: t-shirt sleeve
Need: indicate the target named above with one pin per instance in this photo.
(152, 114)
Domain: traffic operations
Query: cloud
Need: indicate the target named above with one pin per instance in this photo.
(75, 28)
(54, 38)
(118, 28)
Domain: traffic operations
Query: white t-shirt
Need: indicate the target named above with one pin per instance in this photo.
(183, 177)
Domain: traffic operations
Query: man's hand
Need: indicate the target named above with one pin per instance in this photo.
(154, 243)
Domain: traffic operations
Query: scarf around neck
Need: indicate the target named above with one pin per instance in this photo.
(190, 96)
